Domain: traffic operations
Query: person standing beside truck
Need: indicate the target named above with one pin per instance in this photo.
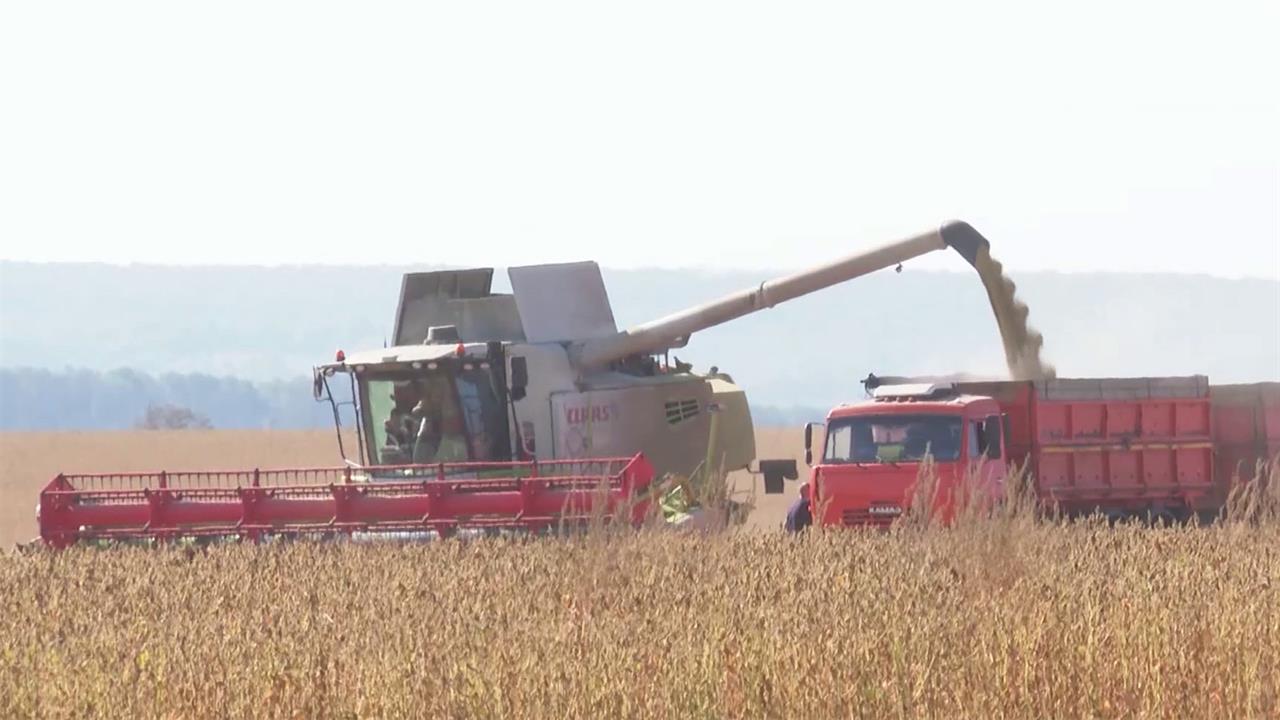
(799, 515)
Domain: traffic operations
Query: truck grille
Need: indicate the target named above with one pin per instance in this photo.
(864, 518)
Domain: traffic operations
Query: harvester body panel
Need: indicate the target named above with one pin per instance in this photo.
(562, 302)
(667, 416)
(456, 298)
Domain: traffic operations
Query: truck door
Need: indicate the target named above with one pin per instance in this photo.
(986, 452)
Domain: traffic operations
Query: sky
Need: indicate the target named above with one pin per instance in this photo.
(1086, 136)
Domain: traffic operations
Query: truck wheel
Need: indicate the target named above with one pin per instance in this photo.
(798, 516)
(1161, 518)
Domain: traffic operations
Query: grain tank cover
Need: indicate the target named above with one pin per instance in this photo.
(561, 302)
(913, 391)
(460, 298)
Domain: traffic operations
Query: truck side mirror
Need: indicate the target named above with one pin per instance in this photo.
(519, 377)
(775, 472)
(808, 443)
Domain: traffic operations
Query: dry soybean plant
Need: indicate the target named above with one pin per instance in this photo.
(997, 616)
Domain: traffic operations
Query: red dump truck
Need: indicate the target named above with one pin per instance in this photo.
(1165, 448)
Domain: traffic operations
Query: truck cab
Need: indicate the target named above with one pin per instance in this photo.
(876, 452)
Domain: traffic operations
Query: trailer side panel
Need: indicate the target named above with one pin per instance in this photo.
(1246, 428)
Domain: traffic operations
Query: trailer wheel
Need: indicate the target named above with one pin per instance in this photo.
(1207, 518)
(798, 516)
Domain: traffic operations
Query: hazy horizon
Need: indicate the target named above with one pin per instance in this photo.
(267, 323)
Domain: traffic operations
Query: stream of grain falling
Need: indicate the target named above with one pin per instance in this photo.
(1022, 343)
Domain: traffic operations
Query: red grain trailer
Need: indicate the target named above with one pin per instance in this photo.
(1166, 447)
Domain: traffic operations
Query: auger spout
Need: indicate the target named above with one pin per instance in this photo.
(672, 330)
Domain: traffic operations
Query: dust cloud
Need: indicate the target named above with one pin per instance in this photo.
(1023, 344)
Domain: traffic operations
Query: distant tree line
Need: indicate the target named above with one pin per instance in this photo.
(78, 399)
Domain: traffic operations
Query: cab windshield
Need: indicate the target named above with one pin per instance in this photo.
(450, 414)
(893, 438)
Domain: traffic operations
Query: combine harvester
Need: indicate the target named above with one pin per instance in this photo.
(527, 411)
(1162, 448)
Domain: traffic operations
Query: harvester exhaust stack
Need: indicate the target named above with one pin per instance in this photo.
(673, 330)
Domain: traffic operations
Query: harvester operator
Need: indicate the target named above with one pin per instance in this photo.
(402, 424)
(440, 435)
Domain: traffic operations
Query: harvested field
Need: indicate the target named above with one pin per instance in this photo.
(29, 459)
(996, 619)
